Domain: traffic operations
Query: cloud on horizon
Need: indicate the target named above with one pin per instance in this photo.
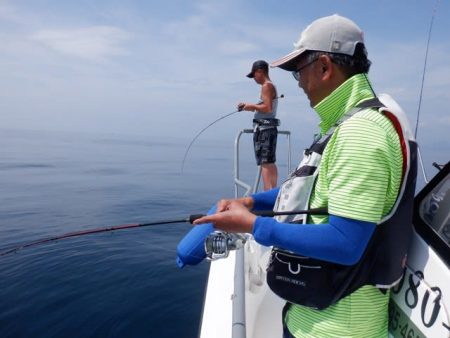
(95, 43)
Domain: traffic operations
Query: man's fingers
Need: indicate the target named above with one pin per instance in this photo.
(202, 220)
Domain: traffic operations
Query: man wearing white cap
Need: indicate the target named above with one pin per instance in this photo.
(335, 270)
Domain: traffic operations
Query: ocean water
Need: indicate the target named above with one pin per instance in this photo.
(114, 284)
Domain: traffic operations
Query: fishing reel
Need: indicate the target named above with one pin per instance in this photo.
(219, 244)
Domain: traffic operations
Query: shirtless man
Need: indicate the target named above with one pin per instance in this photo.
(264, 123)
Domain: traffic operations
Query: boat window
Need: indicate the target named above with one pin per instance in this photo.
(435, 210)
(432, 213)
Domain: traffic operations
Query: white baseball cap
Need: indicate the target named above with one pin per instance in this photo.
(334, 34)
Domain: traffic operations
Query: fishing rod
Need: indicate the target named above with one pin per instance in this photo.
(209, 125)
(421, 88)
(190, 219)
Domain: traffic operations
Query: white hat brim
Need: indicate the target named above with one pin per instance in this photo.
(287, 62)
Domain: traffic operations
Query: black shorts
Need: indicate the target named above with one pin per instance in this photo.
(265, 143)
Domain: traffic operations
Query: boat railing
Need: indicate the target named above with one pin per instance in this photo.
(238, 183)
(238, 315)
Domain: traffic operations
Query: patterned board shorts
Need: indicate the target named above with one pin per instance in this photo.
(265, 143)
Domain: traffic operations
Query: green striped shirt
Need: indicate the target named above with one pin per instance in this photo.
(359, 178)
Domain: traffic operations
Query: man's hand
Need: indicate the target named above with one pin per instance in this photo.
(246, 106)
(231, 216)
(223, 204)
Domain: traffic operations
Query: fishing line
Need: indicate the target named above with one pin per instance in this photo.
(209, 125)
(189, 219)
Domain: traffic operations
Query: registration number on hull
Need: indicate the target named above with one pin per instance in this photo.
(400, 326)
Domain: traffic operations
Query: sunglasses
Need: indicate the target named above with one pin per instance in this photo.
(296, 73)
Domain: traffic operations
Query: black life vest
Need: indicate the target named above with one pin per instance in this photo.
(318, 283)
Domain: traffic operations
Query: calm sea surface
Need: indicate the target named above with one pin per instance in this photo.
(114, 284)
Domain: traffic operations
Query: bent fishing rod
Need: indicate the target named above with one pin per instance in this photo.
(209, 125)
(190, 219)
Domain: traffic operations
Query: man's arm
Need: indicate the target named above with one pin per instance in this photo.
(265, 200)
(267, 97)
(342, 240)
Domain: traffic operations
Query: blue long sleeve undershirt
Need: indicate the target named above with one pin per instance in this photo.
(265, 200)
(342, 240)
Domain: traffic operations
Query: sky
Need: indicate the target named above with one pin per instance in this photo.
(168, 68)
